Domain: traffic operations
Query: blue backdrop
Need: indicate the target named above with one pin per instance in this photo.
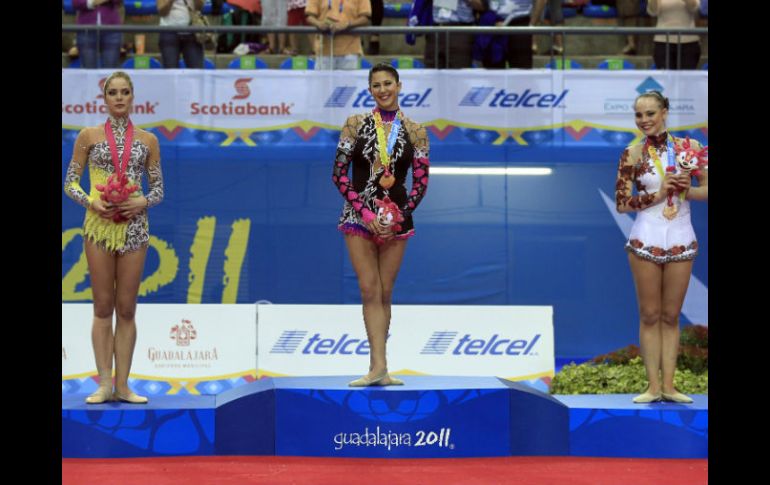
(267, 215)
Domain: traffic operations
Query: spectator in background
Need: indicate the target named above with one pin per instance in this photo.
(295, 16)
(675, 13)
(378, 12)
(628, 16)
(274, 14)
(512, 13)
(172, 44)
(245, 12)
(556, 17)
(460, 45)
(337, 16)
(420, 15)
(98, 49)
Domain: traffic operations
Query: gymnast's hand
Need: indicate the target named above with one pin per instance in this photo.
(384, 233)
(683, 181)
(669, 185)
(104, 209)
(132, 207)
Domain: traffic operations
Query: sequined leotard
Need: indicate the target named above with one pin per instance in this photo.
(358, 146)
(653, 237)
(93, 149)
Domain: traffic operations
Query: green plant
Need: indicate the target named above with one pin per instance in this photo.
(693, 358)
(693, 351)
(695, 335)
(630, 378)
(618, 357)
(622, 371)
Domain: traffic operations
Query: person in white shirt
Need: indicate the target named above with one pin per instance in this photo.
(172, 44)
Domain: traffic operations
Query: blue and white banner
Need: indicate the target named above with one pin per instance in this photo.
(256, 100)
(513, 342)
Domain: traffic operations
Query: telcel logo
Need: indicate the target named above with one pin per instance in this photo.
(494, 346)
(341, 95)
(329, 346)
(478, 95)
(440, 342)
(291, 340)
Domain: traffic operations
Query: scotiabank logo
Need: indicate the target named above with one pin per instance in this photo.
(242, 91)
(242, 88)
(98, 106)
(248, 109)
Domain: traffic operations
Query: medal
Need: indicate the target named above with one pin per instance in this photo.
(671, 208)
(387, 179)
(670, 211)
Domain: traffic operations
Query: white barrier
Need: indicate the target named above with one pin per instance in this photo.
(193, 343)
(250, 101)
(174, 341)
(514, 342)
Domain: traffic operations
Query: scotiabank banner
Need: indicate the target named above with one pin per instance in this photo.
(262, 99)
(513, 342)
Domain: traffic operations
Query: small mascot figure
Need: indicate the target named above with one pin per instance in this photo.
(388, 214)
(691, 160)
(115, 191)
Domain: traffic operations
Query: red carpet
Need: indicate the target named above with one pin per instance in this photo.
(281, 470)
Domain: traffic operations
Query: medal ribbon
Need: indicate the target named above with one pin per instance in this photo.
(120, 165)
(671, 162)
(386, 148)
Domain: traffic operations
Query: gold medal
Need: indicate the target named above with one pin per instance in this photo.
(387, 181)
(670, 211)
(381, 156)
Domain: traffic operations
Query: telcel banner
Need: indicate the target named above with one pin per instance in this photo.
(513, 342)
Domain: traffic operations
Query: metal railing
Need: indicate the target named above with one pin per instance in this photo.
(670, 33)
